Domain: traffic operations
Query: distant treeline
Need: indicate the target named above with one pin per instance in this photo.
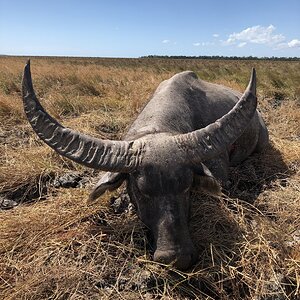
(212, 57)
(217, 57)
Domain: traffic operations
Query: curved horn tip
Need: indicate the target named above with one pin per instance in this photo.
(252, 83)
(27, 81)
(27, 67)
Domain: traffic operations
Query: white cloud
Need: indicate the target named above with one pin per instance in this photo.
(166, 41)
(204, 44)
(294, 43)
(257, 35)
(216, 35)
(241, 45)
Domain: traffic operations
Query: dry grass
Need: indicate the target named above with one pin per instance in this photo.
(58, 248)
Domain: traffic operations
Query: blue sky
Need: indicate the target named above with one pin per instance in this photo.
(135, 28)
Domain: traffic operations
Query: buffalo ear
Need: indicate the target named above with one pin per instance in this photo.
(206, 182)
(108, 182)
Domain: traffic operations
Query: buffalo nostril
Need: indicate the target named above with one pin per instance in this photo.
(164, 257)
(180, 260)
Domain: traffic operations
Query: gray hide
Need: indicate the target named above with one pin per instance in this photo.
(188, 134)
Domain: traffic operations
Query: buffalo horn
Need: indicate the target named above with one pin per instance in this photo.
(106, 155)
(206, 143)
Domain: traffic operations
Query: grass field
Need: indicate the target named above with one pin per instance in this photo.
(54, 246)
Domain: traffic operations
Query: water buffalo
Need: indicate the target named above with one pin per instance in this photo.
(188, 134)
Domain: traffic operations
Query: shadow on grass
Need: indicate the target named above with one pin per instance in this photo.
(257, 174)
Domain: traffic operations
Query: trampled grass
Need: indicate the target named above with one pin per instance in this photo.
(56, 247)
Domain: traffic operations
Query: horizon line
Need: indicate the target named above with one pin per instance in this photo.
(249, 57)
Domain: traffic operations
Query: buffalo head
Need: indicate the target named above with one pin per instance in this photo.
(160, 169)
